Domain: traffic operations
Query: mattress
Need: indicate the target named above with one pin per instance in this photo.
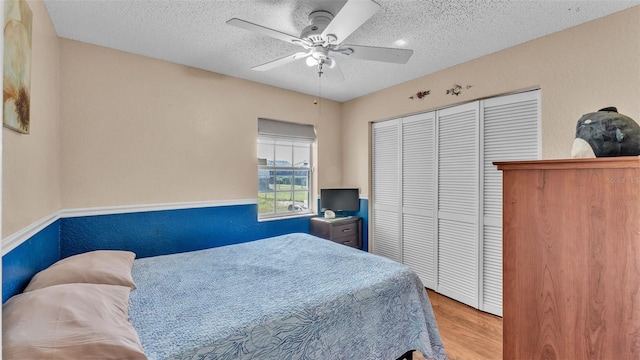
(288, 297)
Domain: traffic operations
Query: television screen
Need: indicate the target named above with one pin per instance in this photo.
(340, 199)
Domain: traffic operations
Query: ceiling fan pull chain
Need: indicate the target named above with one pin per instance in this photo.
(319, 88)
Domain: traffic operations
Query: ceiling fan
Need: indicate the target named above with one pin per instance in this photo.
(324, 36)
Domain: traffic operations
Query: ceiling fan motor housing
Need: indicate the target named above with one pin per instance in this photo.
(318, 21)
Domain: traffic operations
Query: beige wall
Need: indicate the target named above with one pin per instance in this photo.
(31, 169)
(110, 128)
(579, 70)
(144, 131)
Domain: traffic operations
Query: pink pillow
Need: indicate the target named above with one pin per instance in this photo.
(111, 267)
(70, 321)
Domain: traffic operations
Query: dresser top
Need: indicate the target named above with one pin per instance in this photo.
(336, 219)
(596, 163)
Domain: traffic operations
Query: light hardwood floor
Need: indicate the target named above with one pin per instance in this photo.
(467, 334)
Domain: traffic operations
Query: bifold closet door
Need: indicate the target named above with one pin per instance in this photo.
(418, 196)
(386, 190)
(510, 132)
(458, 202)
(437, 198)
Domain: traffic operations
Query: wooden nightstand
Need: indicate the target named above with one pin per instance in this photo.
(343, 230)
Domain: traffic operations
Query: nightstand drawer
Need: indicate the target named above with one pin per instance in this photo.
(345, 230)
(351, 240)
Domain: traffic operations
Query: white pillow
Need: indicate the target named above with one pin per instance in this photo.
(70, 321)
(111, 267)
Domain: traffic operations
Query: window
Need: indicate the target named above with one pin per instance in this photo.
(284, 169)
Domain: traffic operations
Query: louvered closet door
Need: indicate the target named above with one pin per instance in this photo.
(457, 201)
(385, 239)
(418, 197)
(511, 132)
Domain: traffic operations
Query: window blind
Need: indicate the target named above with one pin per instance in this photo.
(275, 128)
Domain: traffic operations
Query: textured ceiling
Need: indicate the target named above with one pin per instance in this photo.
(442, 33)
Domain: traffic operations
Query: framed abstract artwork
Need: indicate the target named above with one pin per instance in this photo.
(17, 65)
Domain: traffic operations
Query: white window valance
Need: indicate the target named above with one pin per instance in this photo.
(275, 128)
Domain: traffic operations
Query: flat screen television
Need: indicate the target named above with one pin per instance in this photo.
(341, 200)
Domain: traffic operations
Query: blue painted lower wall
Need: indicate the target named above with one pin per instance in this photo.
(147, 234)
(37, 253)
(364, 214)
(171, 231)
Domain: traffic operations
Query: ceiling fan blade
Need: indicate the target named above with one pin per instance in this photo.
(352, 15)
(267, 31)
(279, 62)
(391, 55)
(333, 74)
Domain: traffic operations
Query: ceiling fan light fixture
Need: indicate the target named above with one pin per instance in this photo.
(311, 61)
(400, 42)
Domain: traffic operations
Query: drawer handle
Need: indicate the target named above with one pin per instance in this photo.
(346, 230)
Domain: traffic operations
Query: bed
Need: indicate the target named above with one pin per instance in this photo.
(288, 297)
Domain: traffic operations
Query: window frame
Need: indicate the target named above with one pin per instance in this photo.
(292, 143)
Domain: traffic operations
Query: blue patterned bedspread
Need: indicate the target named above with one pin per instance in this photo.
(289, 297)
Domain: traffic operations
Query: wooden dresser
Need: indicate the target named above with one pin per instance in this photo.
(571, 256)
